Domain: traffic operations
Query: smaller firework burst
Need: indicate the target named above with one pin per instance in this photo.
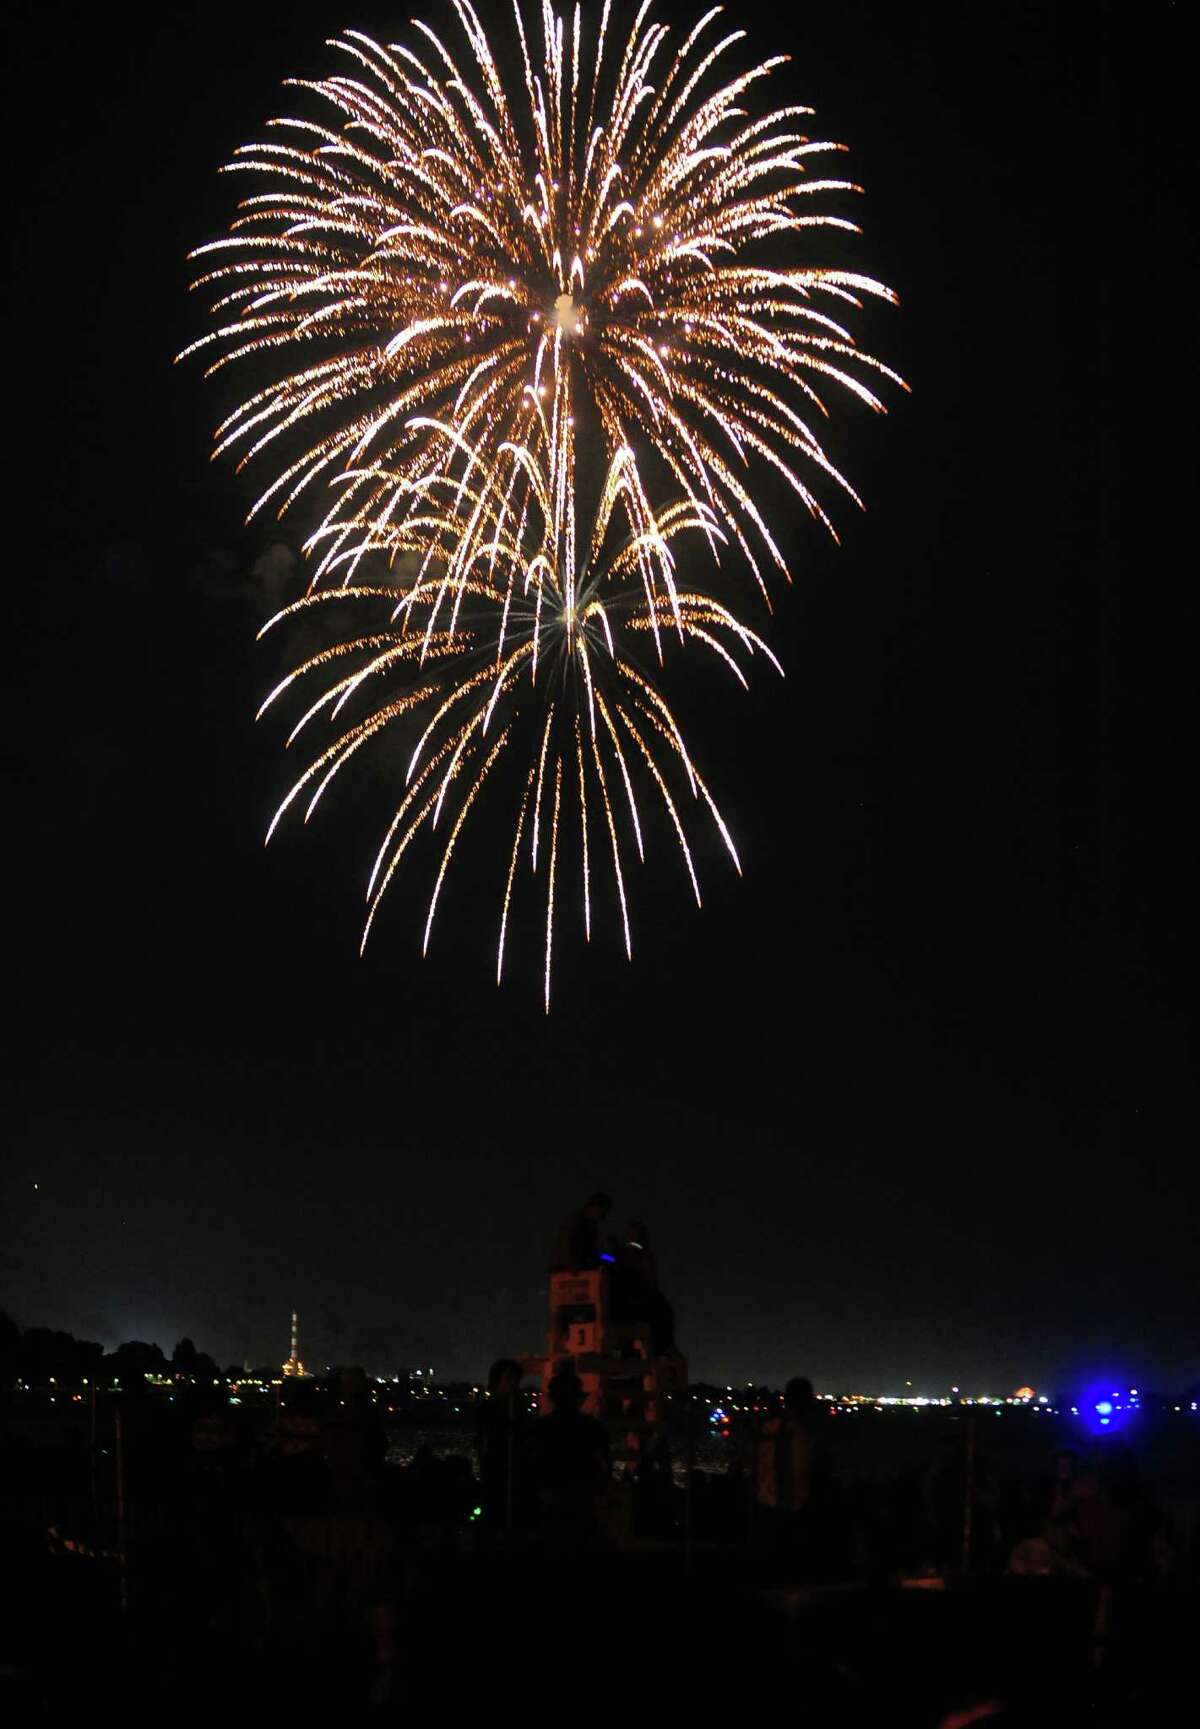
(520, 638)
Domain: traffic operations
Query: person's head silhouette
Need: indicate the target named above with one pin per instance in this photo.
(504, 1377)
(566, 1391)
(798, 1395)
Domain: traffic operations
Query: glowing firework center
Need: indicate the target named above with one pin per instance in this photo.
(567, 316)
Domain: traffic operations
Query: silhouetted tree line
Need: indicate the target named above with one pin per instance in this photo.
(44, 1357)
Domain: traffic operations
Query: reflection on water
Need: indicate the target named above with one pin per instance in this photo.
(404, 1444)
(712, 1452)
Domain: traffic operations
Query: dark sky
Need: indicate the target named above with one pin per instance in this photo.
(912, 1101)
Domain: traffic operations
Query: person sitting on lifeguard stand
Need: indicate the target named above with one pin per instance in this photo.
(578, 1248)
(636, 1295)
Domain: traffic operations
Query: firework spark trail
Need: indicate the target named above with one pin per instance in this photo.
(553, 862)
(449, 282)
(512, 871)
(583, 836)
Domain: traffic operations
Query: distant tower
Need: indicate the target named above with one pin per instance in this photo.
(294, 1366)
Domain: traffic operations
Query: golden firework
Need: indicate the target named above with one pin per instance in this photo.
(480, 322)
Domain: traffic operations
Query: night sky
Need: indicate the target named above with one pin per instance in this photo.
(912, 1100)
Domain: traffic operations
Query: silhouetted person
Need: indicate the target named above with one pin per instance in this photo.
(297, 1478)
(636, 1292)
(1057, 1546)
(789, 1480)
(1117, 1541)
(578, 1247)
(638, 1268)
(572, 1465)
(500, 1441)
(353, 1440)
(420, 1480)
(1061, 1530)
(1112, 1516)
(655, 1496)
(1066, 1471)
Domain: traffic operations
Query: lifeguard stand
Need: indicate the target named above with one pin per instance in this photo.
(625, 1385)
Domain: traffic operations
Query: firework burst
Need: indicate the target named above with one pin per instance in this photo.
(450, 295)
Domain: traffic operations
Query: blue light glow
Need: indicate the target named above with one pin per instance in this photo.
(1104, 1412)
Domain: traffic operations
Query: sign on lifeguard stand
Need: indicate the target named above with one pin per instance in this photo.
(578, 1313)
(624, 1383)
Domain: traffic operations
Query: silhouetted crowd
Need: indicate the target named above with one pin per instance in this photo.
(936, 1569)
(304, 1556)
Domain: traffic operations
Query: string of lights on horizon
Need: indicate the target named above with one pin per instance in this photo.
(527, 359)
(1100, 1414)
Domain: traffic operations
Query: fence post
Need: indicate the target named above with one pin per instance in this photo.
(969, 1497)
(689, 1474)
(119, 1449)
(93, 1475)
(508, 1476)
